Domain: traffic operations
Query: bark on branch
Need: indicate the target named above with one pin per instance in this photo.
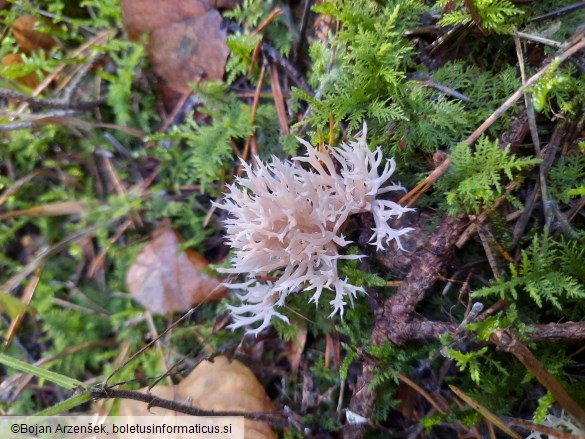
(275, 419)
(396, 319)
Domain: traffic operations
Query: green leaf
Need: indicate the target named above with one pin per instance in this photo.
(61, 380)
(67, 405)
(12, 306)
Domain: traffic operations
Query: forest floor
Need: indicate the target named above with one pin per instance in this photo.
(170, 242)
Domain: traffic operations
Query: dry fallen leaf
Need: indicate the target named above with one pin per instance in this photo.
(28, 38)
(144, 16)
(163, 279)
(186, 43)
(190, 51)
(221, 385)
(294, 349)
(229, 386)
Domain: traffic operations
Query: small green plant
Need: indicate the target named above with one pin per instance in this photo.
(199, 153)
(567, 177)
(128, 57)
(61, 380)
(370, 41)
(545, 273)
(421, 95)
(476, 178)
(494, 15)
(242, 44)
(469, 361)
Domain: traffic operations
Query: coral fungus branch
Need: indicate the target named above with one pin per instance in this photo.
(287, 219)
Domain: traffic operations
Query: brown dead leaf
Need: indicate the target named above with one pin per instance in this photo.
(164, 280)
(228, 385)
(186, 42)
(190, 51)
(294, 349)
(28, 38)
(332, 350)
(221, 321)
(145, 16)
(31, 80)
(221, 385)
(407, 397)
(27, 296)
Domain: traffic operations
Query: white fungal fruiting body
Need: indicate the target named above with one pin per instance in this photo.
(286, 219)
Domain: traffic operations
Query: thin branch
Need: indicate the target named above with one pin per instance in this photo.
(89, 44)
(442, 168)
(36, 120)
(568, 331)
(294, 75)
(148, 345)
(529, 426)
(275, 419)
(561, 11)
(303, 30)
(506, 340)
(447, 90)
(49, 103)
(533, 132)
(81, 73)
(421, 329)
(539, 39)
(579, 45)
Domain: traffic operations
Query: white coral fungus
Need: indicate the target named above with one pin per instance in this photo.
(286, 220)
